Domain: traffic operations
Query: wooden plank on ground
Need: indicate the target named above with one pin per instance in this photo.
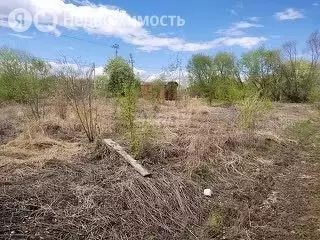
(134, 163)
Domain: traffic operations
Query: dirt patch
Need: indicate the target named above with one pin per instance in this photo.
(58, 132)
(8, 131)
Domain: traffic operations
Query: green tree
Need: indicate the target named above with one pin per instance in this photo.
(228, 85)
(120, 74)
(261, 69)
(200, 68)
(202, 76)
(299, 76)
(226, 66)
(215, 78)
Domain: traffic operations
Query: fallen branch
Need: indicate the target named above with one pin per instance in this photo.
(137, 166)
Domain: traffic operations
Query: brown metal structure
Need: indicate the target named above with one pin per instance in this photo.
(167, 91)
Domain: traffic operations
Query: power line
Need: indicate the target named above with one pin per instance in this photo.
(85, 40)
(56, 60)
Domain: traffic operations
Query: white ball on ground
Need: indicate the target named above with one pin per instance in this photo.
(20, 114)
(207, 192)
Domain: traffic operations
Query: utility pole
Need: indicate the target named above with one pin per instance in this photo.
(94, 70)
(131, 61)
(179, 67)
(116, 47)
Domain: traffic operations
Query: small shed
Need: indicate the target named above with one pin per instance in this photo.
(171, 91)
(165, 90)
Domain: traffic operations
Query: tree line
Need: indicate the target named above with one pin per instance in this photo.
(276, 74)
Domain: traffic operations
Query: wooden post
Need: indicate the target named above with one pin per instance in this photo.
(137, 166)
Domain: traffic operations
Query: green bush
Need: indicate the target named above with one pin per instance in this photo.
(314, 94)
(101, 86)
(127, 103)
(252, 110)
(139, 134)
(24, 78)
(230, 91)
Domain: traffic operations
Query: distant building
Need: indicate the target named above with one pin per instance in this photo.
(166, 90)
(171, 91)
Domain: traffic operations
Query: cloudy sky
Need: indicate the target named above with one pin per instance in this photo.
(87, 29)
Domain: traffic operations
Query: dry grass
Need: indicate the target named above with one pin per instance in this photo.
(96, 198)
(55, 185)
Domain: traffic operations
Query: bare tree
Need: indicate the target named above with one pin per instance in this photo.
(314, 47)
(289, 55)
(78, 87)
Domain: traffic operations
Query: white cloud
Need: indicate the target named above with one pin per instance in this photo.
(246, 42)
(177, 76)
(289, 14)
(238, 6)
(254, 19)
(99, 70)
(20, 36)
(244, 24)
(79, 68)
(111, 21)
(315, 4)
(140, 72)
(59, 66)
(237, 29)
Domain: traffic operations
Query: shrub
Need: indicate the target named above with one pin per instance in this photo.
(127, 103)
(78, 88)
(101, 86)
(139, 134)
(252, 110)
(24, 78)
(230, 91)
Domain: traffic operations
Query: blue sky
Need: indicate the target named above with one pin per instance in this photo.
(210, 26)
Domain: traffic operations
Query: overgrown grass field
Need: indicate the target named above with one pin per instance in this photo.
(55, 184)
